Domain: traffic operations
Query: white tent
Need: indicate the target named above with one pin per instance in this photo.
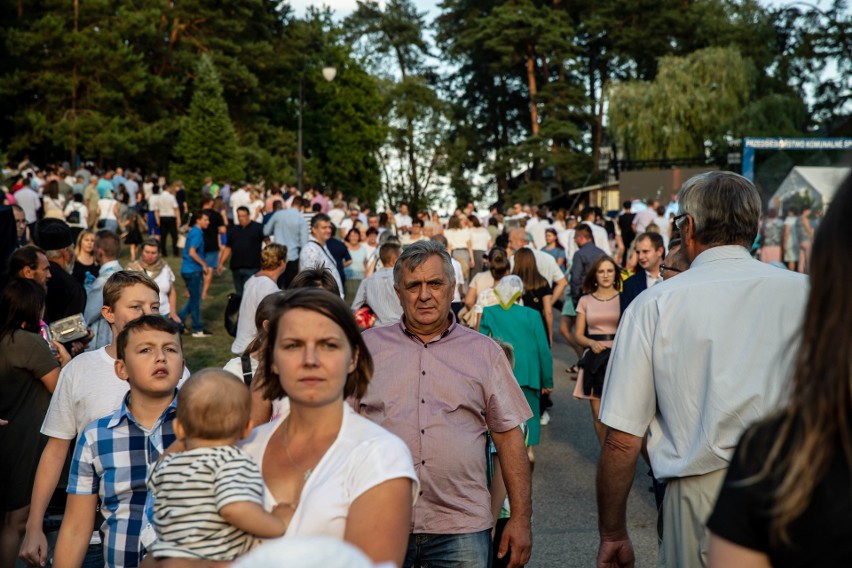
(819, 183)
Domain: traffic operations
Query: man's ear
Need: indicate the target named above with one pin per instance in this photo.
(121, 370)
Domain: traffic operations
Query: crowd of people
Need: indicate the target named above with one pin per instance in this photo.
(390, 373)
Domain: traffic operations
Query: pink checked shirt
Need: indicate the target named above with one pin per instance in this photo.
(440, 398)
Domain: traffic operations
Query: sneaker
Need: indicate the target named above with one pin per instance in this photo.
(202, 333)
(545, 418)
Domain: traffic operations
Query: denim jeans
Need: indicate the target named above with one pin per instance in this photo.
(194, 283)
(470, 550)
(241, 276)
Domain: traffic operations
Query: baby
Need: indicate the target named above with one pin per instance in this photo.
(208, 499)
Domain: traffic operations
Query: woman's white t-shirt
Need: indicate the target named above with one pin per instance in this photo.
(479, 238)
(457, 238)
(363, 456)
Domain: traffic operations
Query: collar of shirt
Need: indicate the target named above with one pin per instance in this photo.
(726, 252)
(438, 337)
(123, 413)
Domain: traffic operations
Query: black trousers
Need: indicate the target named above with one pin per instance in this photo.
(168, 226)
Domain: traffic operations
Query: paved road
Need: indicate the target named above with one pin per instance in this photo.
(565, 530)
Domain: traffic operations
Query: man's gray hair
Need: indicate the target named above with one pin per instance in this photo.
(419, 252)
(724, 206)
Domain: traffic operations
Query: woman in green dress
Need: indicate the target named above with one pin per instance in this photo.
(521, 327)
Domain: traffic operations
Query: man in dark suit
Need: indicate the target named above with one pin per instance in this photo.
(650, 252)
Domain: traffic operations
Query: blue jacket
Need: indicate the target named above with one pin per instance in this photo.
(633, 286)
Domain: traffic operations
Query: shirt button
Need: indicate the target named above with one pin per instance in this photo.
(421, 493)
(422, 431)
(423, 400)
(423, 462)
(424, 372)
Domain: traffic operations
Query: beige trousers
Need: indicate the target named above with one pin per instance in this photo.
(686, 508)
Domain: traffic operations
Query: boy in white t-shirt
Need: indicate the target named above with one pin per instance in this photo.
(88, 389)
(208, 498)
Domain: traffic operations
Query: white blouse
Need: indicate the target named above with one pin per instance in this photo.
(457, 238)
(363, 456)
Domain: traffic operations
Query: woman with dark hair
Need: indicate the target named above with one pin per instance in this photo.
(28, 375)
(787, 496)
(598, 313)
(554, 249)
(337, 473)
(538, 294)
(54, 202)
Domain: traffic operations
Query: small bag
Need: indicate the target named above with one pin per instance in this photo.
(69, 329)
(232, 313)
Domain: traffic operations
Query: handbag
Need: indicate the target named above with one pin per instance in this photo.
(69, 329)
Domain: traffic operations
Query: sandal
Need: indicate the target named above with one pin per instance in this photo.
(572, 370)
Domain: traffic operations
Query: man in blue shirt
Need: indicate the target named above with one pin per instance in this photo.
(192, 269)
(288, 228)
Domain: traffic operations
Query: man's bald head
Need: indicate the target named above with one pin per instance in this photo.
(518, 239)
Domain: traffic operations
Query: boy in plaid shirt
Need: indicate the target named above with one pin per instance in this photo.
(113, 453)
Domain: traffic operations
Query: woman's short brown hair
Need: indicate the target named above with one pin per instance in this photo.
(331, 306)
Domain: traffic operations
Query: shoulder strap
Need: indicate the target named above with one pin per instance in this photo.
(246, 362)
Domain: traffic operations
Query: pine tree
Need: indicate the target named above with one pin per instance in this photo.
(207, 145)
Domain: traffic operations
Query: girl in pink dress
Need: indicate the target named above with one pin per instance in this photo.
(598, 312)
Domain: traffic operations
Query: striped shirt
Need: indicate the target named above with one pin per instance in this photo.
(111, 460)
(189, 489)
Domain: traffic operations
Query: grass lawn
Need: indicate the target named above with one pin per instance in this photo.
(203, 352)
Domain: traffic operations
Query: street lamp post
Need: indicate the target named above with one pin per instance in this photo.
(328, 73)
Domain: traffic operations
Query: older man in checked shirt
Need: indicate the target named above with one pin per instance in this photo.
(440, 386)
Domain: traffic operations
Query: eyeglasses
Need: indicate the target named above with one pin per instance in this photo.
(678, 218)
(664, 268)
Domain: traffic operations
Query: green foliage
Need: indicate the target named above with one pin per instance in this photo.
(692, 103)
(207, 145)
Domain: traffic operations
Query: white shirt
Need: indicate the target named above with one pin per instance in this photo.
(314, 254)
(650, 280)
(240, 198)
(643, 219)
(536, 231)
(566, 239)
(363, 456)
(402, 220)
(457, 239)
(377, 291)
(166, 203)
(457, 270)
(256, 289)
(479, 238)
(702, 356)
(337, 215)
(28, 200)
(165, 280)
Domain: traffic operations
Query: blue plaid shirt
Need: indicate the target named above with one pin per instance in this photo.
(111, 460)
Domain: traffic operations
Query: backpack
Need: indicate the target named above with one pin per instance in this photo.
(232, 313)
(73, 217)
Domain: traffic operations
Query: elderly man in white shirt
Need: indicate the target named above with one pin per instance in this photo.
(696, 359)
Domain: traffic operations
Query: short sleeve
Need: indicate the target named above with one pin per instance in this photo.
(59, 420)
(238, 480)
(83, 478)
(737, 515)
(629, 398)
(582, 305)
(31, 352)
(506, 406)
(380, 459)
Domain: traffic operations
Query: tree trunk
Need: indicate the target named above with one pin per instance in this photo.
(74, 89)
(533, 89)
